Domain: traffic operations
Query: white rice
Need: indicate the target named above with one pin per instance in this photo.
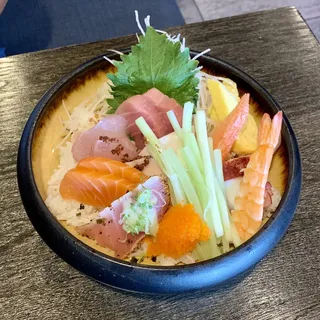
(82, 118)
(68, 210)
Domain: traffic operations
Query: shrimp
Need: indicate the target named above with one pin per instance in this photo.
(248, 209)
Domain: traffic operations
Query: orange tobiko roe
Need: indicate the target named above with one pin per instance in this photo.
(179, 232)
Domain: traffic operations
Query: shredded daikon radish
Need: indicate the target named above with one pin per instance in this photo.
(183, 44)
(204, 101)
(147, 21)
(89, 111)
(115, 51)
(109, 60)
(138, 22)
(66, 110)
(201, 54)
(223, 79)
(174, 38)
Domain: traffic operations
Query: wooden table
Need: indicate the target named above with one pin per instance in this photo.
(277, 49)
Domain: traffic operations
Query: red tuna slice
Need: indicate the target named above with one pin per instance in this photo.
(233, 168)
(108, 139)
(107, 230)
(138, 106)
(165, 104)
(152, 106)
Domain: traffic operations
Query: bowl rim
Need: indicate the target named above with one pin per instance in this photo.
(35, 205)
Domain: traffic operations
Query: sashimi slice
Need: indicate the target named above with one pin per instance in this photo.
(152, 106)
(121, 149)
(108, 138)
(95, 184)
(107, 230)
(165, 104)
(112, 166)
(226, 132)
(138, 106)
(93, 188)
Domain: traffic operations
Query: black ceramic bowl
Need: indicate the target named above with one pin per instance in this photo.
(155, 279)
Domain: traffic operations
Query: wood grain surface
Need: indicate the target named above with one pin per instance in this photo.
(202, 10)
(277, 49)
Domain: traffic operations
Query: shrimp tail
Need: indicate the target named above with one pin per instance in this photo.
(269, 131)
(264, 128)
(249, 201)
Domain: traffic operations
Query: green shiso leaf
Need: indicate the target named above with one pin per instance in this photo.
(155, 62)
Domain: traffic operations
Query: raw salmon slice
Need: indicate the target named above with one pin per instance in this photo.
(98, 185)
(112, 166)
